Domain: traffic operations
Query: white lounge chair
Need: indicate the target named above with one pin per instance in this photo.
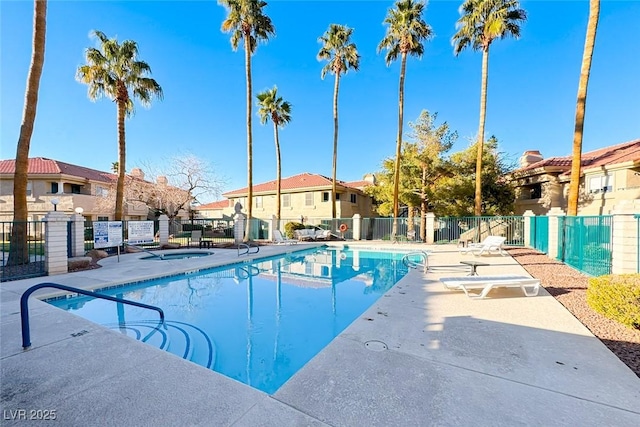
(281, 240)
(488, 245)
(486, 283)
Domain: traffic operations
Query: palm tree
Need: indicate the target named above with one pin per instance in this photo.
(482, 22)
(272, 106)
(114, 71)
(574, 183)
(19, 252)
(406, 29)
(340, 54)
(246, 21)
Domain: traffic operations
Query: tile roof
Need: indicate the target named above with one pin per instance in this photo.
(220, 204)
(358, 184)
(296, 182)
(44, 166)
(615, 154)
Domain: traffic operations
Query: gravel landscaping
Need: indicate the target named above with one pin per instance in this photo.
(569, 287)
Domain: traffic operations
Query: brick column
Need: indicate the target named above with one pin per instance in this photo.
(77, 235)
(55, 243)
(163, 229)
(554, 215)
(527, 227)
(624, 243)
(430, 227)
(357, 227)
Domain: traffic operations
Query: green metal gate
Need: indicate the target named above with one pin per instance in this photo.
(585, 243)
(539, 233)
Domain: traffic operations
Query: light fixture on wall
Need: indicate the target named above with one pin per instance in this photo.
(79, 210)
(55, 202)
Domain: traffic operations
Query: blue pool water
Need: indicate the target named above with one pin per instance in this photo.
(258, 322)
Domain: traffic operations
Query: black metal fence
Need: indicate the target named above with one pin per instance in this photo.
(22, 258)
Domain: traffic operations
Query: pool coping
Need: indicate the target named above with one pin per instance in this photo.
(407, 381)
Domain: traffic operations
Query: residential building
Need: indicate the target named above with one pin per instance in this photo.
(303, 197)
(608, 176)
(75, 189)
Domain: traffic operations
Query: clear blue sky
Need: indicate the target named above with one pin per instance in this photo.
(531, 100)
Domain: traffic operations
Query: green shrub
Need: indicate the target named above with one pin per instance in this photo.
(617, 297)
(290, 227)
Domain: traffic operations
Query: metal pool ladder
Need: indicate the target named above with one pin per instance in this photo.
(24, 305)
(247, 249)
(409, 263)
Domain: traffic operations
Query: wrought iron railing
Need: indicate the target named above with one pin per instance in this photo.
(584, 242)
(23, 257)
(476, 228)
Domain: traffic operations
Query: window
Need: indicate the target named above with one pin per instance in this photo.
(103, 218)
(258, 201)
(29, 188)
(325, 196)
(353, 198)
(308, 199)
(535, 191)
(101, 191)
(75, 189)
(54, 187)
(600, 184)
(286, 200)
(337, 196)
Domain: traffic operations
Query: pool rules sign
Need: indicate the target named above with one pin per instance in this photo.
(107, 234)
(140, 232)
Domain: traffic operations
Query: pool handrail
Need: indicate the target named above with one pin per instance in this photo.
(412, 264)
(24, 305)
(247, 249)
(161, 256)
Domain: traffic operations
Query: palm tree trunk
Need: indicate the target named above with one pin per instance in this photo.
(119, 215)
(335, 145)
(396, 172)
(18, 250)
(278, 173)
(587, 56)
(247, 58)
(423, 206)
(483, 112)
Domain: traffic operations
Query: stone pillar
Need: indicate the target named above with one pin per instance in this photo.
(554, 215)
(357, 227)
(272, 226)
(163, 229)
(527, 227)
(430, 226)
(77, 235)
(625, 239)
(239, 220)
(55, 243)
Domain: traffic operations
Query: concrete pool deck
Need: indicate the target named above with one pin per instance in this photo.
(449, 360)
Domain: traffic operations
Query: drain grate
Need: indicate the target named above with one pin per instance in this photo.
(374, 345)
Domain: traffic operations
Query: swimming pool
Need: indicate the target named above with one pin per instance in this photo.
(257, 322)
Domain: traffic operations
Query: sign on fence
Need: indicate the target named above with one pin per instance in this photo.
(107, 234)
(140, 232)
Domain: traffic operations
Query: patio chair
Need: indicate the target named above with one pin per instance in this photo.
(489, 245)
(486, 283)
(281, 240)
